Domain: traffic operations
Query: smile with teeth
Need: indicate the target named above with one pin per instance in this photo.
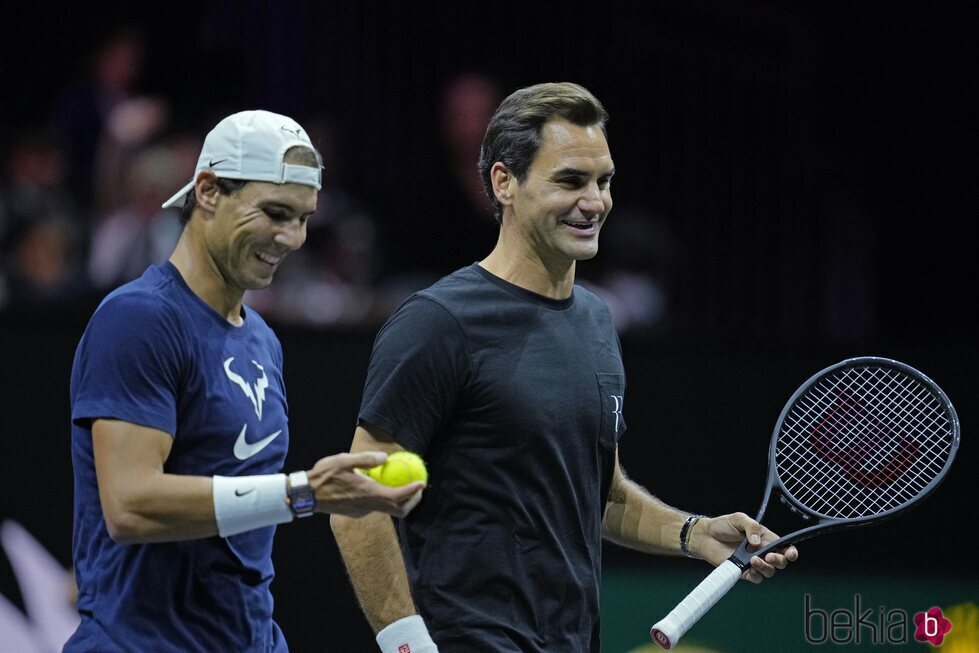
(268, 258)
(579, 224)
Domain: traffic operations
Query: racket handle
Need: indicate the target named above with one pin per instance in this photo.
(668, 631)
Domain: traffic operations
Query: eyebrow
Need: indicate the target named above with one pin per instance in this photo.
(288, 208)
(574, 172)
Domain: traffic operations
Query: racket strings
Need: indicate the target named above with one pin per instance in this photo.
(871, 451)
(862, 441)
(871, 461)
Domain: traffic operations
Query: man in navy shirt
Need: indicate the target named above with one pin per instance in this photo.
(180, 421)
(508, 378)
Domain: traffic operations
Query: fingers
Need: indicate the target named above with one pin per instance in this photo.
(791, 554)
(396, 496)
(761, 569)
(396, 501)
(340, 489)
(362, 459)
(409, 504)
(396, 505)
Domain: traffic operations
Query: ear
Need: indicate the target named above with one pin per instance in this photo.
(206, 190)
(503, 183)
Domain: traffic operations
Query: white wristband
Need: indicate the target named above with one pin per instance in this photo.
(406, 634)
(244, 503)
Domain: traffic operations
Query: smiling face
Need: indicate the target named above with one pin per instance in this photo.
(252, 230)
(559, 209)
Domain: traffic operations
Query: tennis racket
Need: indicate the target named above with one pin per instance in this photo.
(860, 442)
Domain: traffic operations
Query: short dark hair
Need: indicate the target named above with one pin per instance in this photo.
(299, 155)
(513, 135)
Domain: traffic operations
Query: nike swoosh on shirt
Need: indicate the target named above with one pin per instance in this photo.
(245, 450)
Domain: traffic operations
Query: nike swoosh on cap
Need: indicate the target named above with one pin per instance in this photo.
(245, 449)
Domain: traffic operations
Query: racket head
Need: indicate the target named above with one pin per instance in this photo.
(863, 440)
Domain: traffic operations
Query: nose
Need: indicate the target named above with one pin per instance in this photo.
(592, 202)
(292, 234)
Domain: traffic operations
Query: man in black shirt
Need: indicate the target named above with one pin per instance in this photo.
(508, 379)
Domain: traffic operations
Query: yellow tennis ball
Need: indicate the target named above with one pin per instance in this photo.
(401, 468)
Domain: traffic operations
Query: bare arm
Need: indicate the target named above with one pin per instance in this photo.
(636, 519)
(140, 502)
(370, 550)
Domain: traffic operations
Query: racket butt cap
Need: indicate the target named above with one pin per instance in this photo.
(660, 637)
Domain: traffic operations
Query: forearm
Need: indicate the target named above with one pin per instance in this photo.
(370, 551)
(142, 503)
(636, 519)
(161, 508)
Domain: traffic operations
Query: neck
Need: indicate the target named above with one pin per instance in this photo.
(204, 279)
(524, 267)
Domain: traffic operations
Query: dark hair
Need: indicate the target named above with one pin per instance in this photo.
(299, 155)
(513, 135)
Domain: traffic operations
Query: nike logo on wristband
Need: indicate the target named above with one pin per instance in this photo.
(241, 493)
(245, 449)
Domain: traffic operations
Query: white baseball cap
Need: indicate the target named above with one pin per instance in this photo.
(251, 145)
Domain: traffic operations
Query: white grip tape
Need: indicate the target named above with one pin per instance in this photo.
(668, 631)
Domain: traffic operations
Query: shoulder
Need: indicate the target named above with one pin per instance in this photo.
(590, 312)
(133, 303)
(133, 307)
(142, 311)
(440, 303)
(422, 317)
(456, 287)
(590, 303)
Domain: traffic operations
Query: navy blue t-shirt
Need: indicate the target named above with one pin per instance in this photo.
(515, 401)
(154, 354)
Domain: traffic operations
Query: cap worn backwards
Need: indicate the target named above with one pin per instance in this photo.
(251, 145)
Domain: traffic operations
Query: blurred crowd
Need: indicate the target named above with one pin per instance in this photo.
(81, 188)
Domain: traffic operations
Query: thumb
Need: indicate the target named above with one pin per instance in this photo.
(752, 530)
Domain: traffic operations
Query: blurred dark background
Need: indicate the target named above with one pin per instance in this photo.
(792, 188)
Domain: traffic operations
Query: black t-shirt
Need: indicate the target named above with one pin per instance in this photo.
(515, 402)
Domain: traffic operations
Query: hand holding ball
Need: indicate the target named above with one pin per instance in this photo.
(401, 468)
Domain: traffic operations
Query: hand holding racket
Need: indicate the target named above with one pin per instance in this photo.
(860, 442)
(720, 536)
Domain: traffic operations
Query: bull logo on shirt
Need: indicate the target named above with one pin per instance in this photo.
(255, 392)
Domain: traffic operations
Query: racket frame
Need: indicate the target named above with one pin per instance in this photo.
(825, 523)
(671, 628)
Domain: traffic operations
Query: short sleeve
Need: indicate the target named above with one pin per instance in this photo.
(128, 364)
(418, 368)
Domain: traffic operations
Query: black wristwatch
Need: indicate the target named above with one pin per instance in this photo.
(302, 498)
